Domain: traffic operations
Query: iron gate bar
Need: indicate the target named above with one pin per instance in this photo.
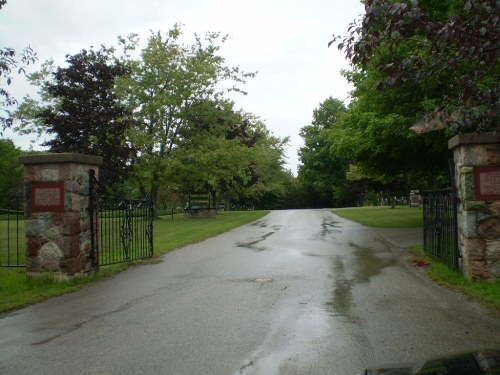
(15, 207)
(440, 226)
(94, 230)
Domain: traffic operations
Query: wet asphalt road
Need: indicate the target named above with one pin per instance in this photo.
(298, 292)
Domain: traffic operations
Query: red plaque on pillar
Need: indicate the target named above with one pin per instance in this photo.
(487, 183)
(47, 197)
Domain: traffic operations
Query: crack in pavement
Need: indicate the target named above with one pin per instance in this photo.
(251, 244)
(92, 318)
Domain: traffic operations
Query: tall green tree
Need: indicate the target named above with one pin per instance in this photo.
(212, 150)
(230, 153)
(377, 133)
(454, 42)
(321, 171)
(267, 171)
(167, 80)
(385, 149)
(81, 112)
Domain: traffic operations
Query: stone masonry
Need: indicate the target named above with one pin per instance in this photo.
(58, 238)
(478, 217)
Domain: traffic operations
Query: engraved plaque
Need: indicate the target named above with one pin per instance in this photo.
(47, 197)
(487, 183)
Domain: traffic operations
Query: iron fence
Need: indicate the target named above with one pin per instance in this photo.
(12, 239)
(440, 225)
(121, 229)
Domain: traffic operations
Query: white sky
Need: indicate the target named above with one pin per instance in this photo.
(284, 40)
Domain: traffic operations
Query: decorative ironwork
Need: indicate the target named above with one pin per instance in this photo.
(12, 239)
(122, 228)
(126, 233)
(440, 225)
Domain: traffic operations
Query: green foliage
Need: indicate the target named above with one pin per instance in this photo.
(214, 150)
(11, 171)
(159, 118)
(416, 67)
(268, 176)
(10, 60)
(383, 146)
(230, 153)
(377, 132)
(447, 48)
(321, 171)
(166, 83)
(188, 136)
(81, 112)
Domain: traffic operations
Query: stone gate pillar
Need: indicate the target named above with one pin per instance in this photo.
(56, 188)
(477, 180)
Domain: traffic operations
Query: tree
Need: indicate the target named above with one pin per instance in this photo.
(454, 42)
(376, 132)
(11, 171)
(212, 152)
(321, 171)
(266, 169)
(11, 61)
(383, 148)
(227, 152)
(82, 112)
(165, 83)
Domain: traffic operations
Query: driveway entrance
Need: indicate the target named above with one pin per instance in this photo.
(298, 292)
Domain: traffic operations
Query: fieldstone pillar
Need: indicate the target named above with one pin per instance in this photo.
(56, 188)
(477, 179)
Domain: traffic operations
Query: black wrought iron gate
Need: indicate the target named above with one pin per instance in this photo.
(12, 238)
(121, 229)
(440, 225)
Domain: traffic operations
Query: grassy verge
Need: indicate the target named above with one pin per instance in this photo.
(169, 233)
(173, 233)
(383, 217)
(485, 292)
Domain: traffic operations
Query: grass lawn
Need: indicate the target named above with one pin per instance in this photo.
(383, 216)
(17, 291)
(171, 233)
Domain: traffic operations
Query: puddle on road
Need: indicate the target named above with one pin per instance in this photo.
(291, 335)
(341, 302)
(366, 265)
(258, 280)
(263, 280)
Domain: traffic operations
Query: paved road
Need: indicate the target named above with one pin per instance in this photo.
(298, 292)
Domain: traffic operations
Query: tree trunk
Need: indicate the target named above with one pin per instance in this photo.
(155, 186)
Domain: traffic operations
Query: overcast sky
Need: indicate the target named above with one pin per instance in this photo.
(284, 40)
